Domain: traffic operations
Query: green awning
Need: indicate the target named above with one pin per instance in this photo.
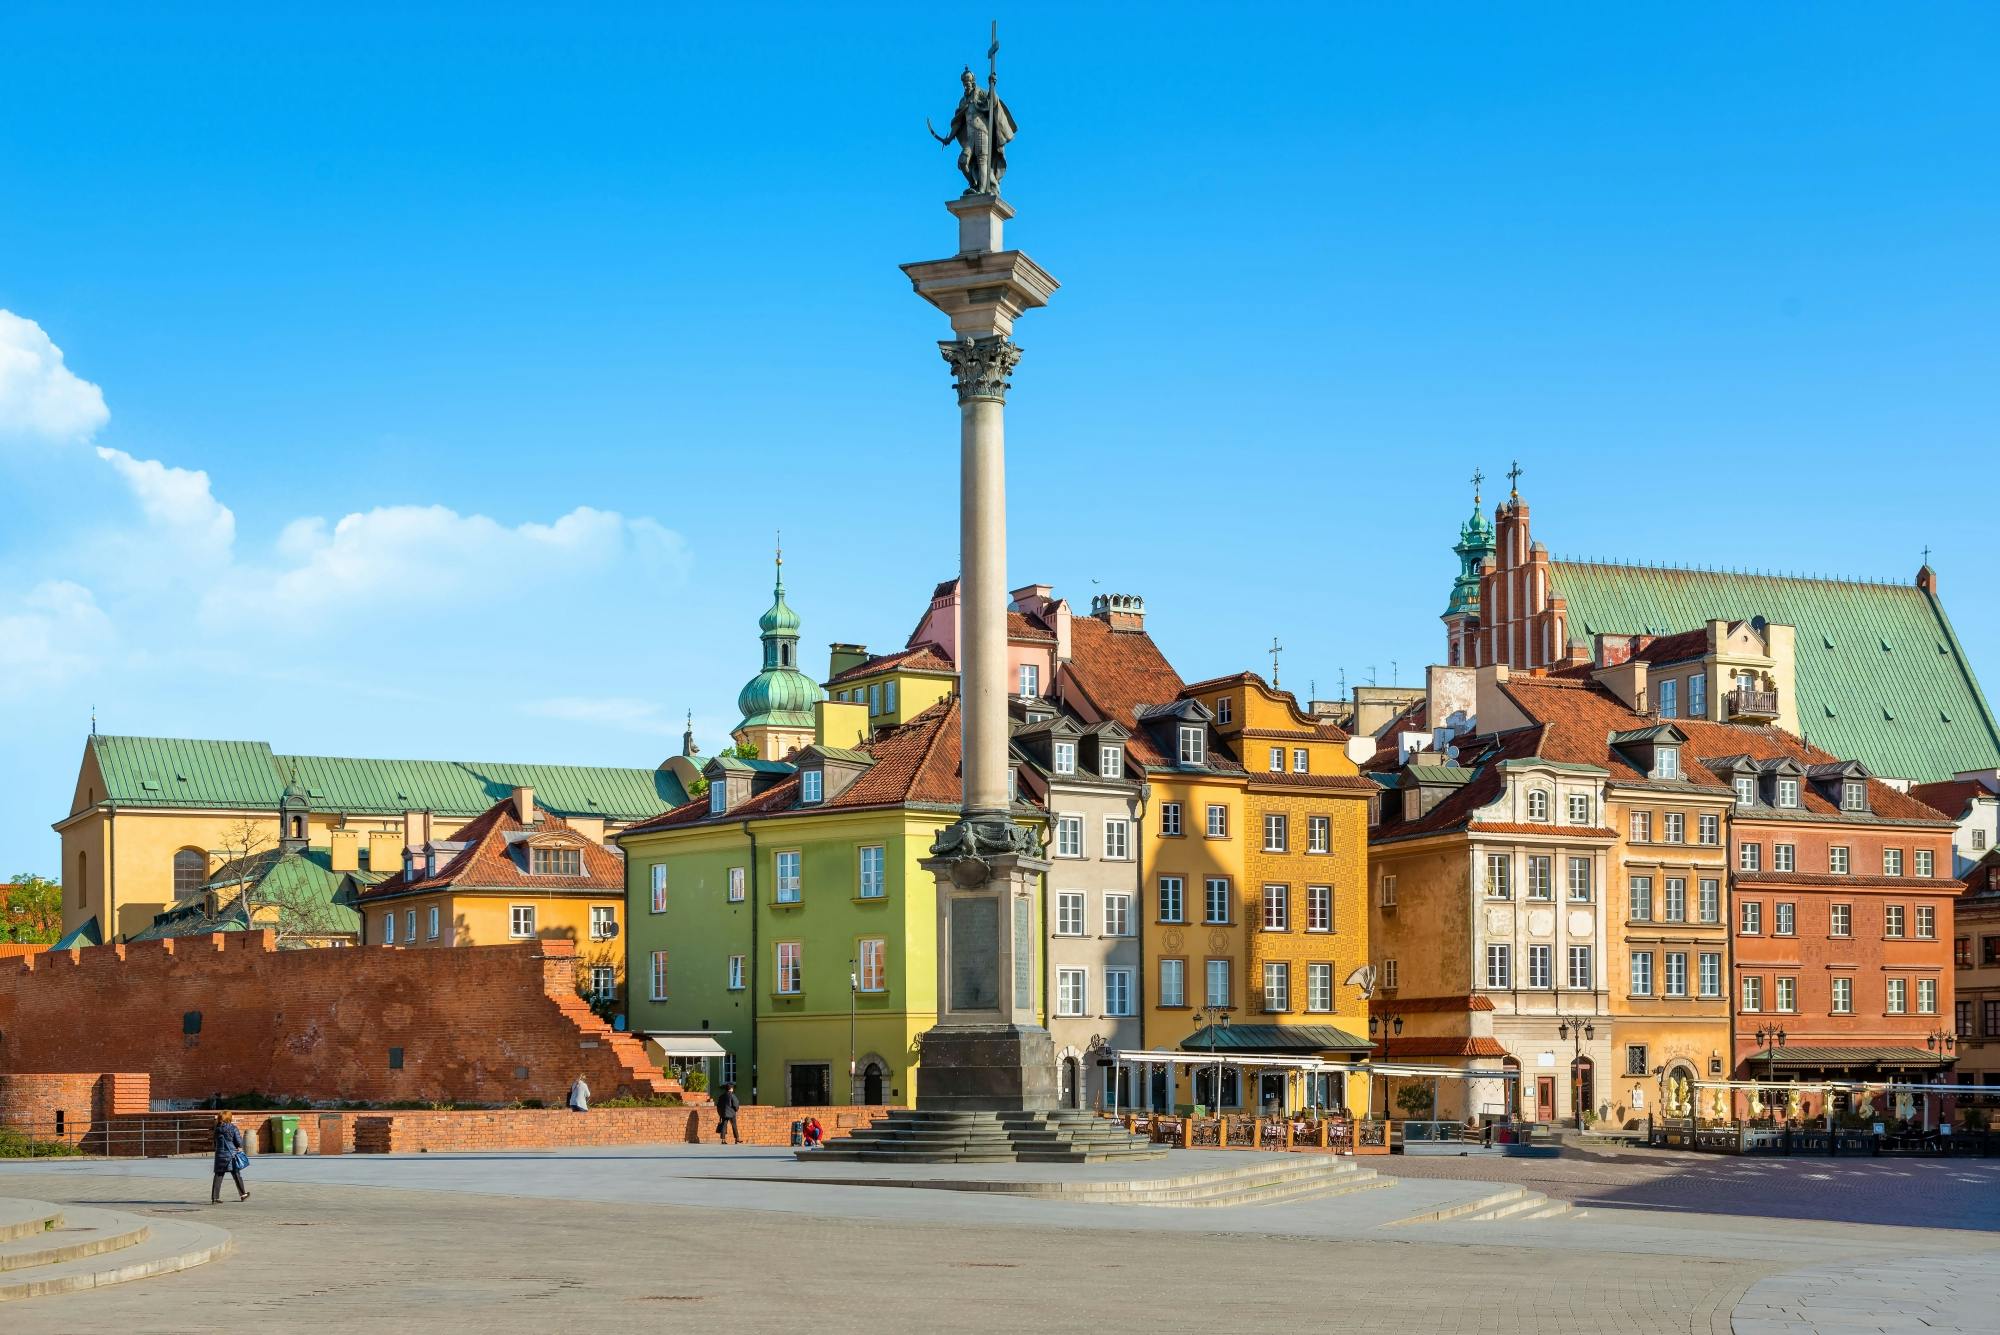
(1830, 1057)
(1274, 1039)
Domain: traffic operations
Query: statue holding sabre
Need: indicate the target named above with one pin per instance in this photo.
(981, 127)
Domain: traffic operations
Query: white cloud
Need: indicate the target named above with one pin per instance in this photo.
(40, 398)
(613, 711)
(410, 558)
(53, 633)
(177, 501)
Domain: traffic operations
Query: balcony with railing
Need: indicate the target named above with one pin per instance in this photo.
(1749, 706)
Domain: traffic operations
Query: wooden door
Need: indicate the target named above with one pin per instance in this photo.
(1545, 1098)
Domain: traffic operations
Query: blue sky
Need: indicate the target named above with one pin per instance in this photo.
(431, 384)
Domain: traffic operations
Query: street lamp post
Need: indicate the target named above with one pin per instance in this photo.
(1212, 1017)
(1943, 1042)
(1769, 1038)
(853, 997)
(1580, 1029)
(1382, 1027)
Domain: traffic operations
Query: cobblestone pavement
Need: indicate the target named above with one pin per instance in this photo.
(1926, 1193)
(1916, 1293)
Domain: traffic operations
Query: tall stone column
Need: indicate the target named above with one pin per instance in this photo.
(987, 1052)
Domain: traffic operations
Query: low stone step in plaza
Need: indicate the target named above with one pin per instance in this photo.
(1269, 1179)
(913, 1135)
(47, 1249)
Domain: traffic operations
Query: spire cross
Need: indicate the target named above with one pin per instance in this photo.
(1477, 478)
(1276, 649)
(1927, 553)
(1514, 479)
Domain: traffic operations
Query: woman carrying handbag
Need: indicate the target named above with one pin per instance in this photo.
(230, 1158)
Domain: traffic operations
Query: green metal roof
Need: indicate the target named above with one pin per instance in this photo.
(1881, 677)
(178, 772)
(1274, 1038)
(84, 933)
(1842, 1056)
(302, 885)
(1452, 774)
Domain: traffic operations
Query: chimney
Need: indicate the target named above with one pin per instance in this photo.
(344, 852)
(841, 723)
(1120, 611)
(841, 657)
(524, 804)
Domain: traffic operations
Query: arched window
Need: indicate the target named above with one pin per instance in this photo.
(82, 875)
(1538, 805)
(871, 1084)
(1072, 1082)
(190, 872)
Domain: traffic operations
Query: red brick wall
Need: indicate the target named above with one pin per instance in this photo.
(480, 1024)
(68, 1105)
(543, 1129)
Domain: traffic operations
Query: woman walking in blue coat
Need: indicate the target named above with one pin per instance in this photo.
(230, 1158)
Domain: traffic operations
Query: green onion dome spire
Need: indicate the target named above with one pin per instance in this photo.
(780, 693)
(1475, 544)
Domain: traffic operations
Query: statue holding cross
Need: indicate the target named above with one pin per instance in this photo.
(981, 127)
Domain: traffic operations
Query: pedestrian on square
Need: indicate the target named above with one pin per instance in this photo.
(230, 1158)
(579, 1096)
(726, 1107)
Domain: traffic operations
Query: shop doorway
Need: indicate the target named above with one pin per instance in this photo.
(1545, 1098)
(810, 1084)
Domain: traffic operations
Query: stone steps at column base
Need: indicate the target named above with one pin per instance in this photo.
(82, 1233)
(173, 1245)
(21, 1218)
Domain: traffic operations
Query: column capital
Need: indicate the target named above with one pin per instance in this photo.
(981, 365)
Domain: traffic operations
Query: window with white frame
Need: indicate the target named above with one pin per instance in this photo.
(1711, 900)
(1193, 744)
(1218, 821)
(1670, 698)
(889, 696)
(1277, 908)
(1173, 982)
(1541, 967)
(871, 968)
(1892, 921)
(1753, 994)
(1117, 991)
(1388, 892)
(1667, 762)
(521, 920)
(1170, 818)
(1274, 833)
(736, 880)
(659, 887)
(1580, 975)
(1110, 760)
(1069, 913)
(603, 983)
(1579, 808)
(1070, 985)
(1698, 695)
(812, 786)
(432, 925)
(1172, 905)
(1853, 795)
(1215, 899)
(1069, 836)
(1926, 866)
(1065, 757)
(1580, 879)
(1784, 918)
(1277, 765)
(1117, 838)
(1710, 824)
(718, 797)
(1676, 973)
(1538, 804)
(1788, 792)
(871, 876)
(1674, 899)
(1673, 827)
(1843, 996)
(1319, 987)
(791, 968)
(1498, 866)
(737, 964)
(1224, 709)
(1750, 917)
(1300, 760)
(1899, 997)
(1892, 862)
(1785, 995)
(1499, 961)
(1541, 876)
(389, 928)
(1927, 996)
(1642, 827)
(1837, 860)
(1031, 680)
(1711, 973)
(555, 862)
(1218, 982)
(410, 926)
(787, 866)
(1926, 922)
(1277, 986)
(1389, 974)
(1640, 897)
(1750, 857)
(659, 988)
(603, 922)
(1746, 790)
(1319, 834)
(1840, 920)
(875, 699)
(1319, 908)
(1642, 973)
(1784, 857)
(1117, 914)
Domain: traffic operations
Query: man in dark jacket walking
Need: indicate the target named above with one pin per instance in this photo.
(726, 1106)
(229, 1158)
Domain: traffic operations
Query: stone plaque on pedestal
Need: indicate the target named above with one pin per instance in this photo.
(975, 953)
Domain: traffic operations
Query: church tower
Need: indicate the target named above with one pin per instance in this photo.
(1461, 615)
(777, 703)
(294, 818)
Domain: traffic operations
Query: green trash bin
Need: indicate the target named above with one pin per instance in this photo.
(283, 1130)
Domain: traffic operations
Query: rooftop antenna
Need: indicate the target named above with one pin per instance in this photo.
(1371, 674)
(1343, 685)
(1395, 675)
(93, 720)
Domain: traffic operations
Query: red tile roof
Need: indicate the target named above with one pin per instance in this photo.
(1544, 827)
(1936, 885)
(488, 861)
(1264, 779)
(1116, 673)
(1951, 797)
(925, 657)
(1677, 648)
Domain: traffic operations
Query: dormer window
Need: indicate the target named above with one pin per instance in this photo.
(1667, 762)
(1065, 757)
(812, 785)
(1223, 710)
(556, 861)
(1194, 744)
(1853, 795)
(1788, 792)
(1111, 761)
(1031, 680)
(1538, 805)
(1746, 791)
(718, 797)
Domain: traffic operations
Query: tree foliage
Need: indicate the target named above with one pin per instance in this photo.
(31, 910)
